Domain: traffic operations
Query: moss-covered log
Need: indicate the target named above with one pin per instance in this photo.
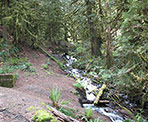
(62, 116)
(61, 65)
(7, 80)
(100, 93)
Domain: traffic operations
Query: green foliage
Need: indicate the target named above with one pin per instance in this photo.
(32, 22)
(120, 27)
(45, 66)
(129, 72)
(68, 112)
(83, 57)
(42, 115)
(28, 67)
(78, 85)
(95, 120)
(7, 50)
(11, 65)
(22, 19)
(131, 62)
(7, 69)
(138, 118)
(55, 96)
(132, 49)
(15, 61)
(89, 113)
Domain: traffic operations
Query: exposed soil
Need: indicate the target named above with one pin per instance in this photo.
(33, 89)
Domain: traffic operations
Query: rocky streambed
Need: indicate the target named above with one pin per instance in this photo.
(88, 97)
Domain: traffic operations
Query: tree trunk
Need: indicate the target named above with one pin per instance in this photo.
(109, 58)
(95, 41)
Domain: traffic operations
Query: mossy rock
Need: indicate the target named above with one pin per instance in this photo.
(7, 80)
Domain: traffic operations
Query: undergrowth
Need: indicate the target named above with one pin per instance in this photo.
(10, 60)
(128, 75)
(45, 114)
(13, 64)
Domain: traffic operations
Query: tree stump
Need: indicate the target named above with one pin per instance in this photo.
(7, 80)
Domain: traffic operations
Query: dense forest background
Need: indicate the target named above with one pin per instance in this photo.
(108, 37)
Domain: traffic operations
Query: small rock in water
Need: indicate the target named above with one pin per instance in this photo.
(68, 57)
(90, 97)
(67, 65)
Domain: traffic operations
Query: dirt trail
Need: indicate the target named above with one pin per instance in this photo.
(33, 89)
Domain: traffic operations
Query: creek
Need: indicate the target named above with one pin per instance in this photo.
(89, 86)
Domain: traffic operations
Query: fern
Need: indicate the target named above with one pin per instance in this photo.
(55, 96)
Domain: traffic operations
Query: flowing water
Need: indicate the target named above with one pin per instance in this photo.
(89, 87)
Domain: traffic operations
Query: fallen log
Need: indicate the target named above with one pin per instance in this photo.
(62, 116)
(104, 101)
(53, 58)
(49, 73)
(99, 94)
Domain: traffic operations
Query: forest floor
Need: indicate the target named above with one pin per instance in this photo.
(33, 89)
